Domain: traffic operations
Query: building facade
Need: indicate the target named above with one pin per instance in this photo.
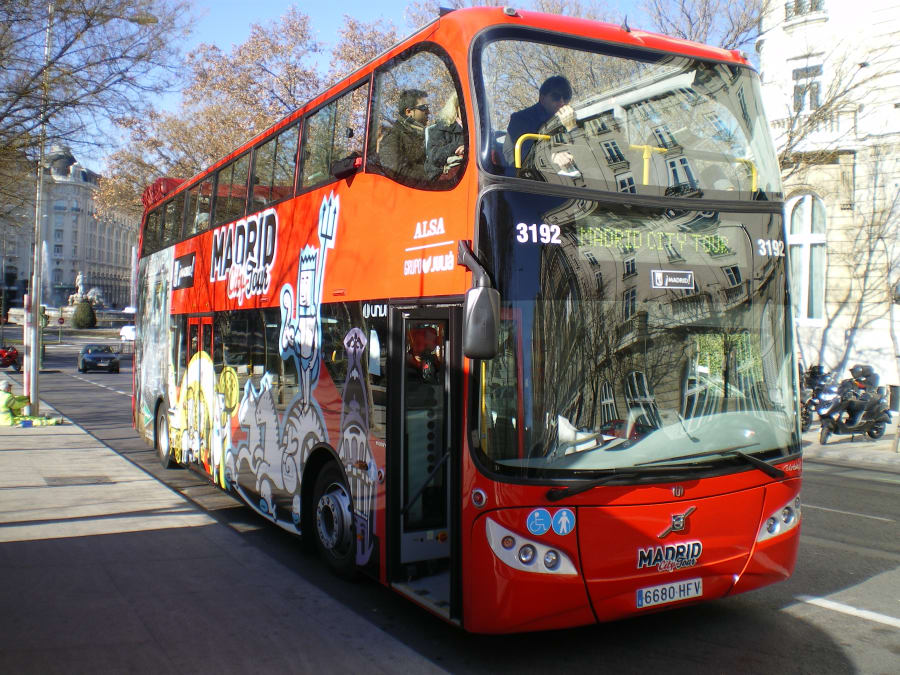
(831, 88)
(78, 245)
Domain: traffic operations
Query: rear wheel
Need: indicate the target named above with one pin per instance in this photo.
(876, 431)
(161, 436)
(334, 521)
(825, 433)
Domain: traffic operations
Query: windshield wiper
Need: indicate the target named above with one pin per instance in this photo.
(555, 494)
(763, 466)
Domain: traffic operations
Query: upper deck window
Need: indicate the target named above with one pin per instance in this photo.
(582, 113)
(417, 131)
(231, 190)
(332, 133)
(273, 168)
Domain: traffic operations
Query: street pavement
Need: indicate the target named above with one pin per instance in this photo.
(103, 569)
(107, 570)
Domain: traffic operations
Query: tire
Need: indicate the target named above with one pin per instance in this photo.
(825, 433)
(17, 366)
(161, 439)
(333, 520)
(876, 431)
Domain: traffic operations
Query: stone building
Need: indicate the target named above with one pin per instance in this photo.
(831, 88)
(77, 239)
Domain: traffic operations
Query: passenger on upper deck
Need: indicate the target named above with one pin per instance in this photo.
(444, 146)
(551, 112)
(403, 147)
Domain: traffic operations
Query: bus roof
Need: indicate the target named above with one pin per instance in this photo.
(465, 24)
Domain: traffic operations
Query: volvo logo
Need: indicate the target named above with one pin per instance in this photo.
(679, 521)
(678, 490)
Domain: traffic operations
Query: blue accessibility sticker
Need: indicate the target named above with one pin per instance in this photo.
(538, 521)
(563, 521)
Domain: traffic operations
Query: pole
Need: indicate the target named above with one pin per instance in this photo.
(35, 342)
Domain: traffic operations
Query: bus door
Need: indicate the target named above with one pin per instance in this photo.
(426, 457)
(199, 396)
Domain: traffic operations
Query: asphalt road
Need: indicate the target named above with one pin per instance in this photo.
(839, 613)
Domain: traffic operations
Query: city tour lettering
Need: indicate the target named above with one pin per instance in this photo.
(243, 254)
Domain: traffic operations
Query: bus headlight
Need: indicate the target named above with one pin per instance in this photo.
(521, 553)
(784, 519)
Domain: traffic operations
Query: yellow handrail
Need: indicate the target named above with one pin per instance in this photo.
(648, 153)
(525, 137)
(753, 172)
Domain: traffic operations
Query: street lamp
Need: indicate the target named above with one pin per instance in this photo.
(34, 335)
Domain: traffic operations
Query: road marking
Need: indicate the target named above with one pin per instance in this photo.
(97, 384)
(848, 513)
(852, 611)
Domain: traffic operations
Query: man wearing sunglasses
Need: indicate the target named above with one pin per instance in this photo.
(403, 147)
(553, 102)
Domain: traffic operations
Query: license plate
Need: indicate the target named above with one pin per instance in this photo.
(672, 592)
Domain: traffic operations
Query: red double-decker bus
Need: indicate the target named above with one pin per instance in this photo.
(500, 320)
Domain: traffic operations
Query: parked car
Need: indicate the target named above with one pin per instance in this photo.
(98, 357)
(617, 428)
(126, 333)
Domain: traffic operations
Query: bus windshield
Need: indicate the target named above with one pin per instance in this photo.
(621, 120)
(631, 336)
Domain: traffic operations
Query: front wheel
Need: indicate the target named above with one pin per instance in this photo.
(876, 431)
(162, 440)
(825, 433)
(334, 521)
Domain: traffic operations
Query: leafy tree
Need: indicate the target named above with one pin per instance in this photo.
(84, 316)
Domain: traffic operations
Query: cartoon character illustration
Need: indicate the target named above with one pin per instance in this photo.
(354, 450)
(275, 449)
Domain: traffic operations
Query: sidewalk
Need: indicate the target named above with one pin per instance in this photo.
(860, 451)
(106, 570)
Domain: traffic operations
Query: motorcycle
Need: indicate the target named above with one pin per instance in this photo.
(9, 356)
(819, 390)
(860, 407)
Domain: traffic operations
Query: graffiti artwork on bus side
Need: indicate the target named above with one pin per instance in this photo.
(153, 331)
(276, 447)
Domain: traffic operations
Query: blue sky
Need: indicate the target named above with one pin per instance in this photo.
(227, 22)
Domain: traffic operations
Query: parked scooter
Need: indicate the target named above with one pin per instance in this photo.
(9, 356)
(861, 407)
(817, 395)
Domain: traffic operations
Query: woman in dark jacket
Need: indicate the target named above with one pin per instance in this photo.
(445, 143)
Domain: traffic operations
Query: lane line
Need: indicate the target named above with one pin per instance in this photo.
(848, 513)
(852, 611)
(97, 384)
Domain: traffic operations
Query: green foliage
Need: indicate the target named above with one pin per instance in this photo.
(84, 316)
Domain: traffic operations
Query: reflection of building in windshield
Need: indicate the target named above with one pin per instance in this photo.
(679, 131)
(619, 345)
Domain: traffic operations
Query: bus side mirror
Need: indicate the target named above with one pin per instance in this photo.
(481, 322)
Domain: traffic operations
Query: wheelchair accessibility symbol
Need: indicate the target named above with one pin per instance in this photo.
(538, 522)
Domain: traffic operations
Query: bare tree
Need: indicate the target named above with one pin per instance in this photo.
(725, 23)
(104, 58)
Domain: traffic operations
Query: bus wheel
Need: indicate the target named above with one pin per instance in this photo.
(163, 445)
(334, 521)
